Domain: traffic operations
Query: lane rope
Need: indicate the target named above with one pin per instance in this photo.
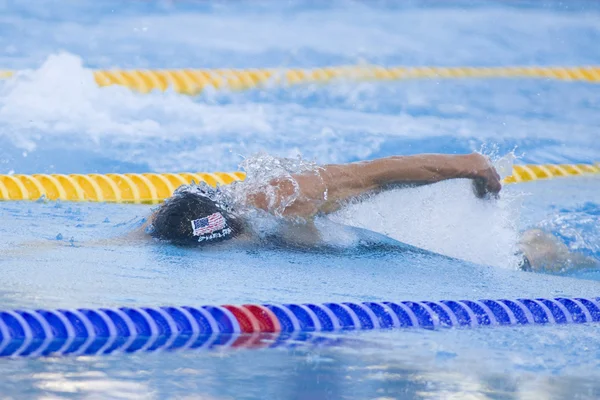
(35, 333)
(194, 81)
(152, 188)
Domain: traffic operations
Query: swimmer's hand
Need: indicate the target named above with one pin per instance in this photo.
(486, 180)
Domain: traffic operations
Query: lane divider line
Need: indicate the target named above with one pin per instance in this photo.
(26, 333)
(194, 81)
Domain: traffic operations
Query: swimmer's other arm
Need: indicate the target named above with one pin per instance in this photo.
(341, 182)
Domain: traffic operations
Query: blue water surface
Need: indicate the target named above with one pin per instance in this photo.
(53, 119)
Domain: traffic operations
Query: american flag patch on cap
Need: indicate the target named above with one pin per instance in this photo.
(212, 223)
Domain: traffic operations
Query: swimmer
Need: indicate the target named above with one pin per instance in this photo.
(194, 217)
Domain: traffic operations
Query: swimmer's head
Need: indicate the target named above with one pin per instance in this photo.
(190, 218)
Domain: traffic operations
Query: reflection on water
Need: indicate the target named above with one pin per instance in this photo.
(408, 367)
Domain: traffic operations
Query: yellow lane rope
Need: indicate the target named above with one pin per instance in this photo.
(193, 81)
(154, 188)
(532, 172)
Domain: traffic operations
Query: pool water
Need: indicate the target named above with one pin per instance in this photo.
(54, 119)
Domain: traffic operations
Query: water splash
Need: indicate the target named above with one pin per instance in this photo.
(60, 105)
(267, 174)
(445, 218)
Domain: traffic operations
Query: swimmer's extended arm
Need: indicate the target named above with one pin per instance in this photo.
(340, 182)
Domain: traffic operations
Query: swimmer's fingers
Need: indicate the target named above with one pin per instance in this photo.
(479, 188)
(488, 184)
(494, 185)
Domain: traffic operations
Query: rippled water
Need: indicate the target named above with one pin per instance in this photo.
(54, 119)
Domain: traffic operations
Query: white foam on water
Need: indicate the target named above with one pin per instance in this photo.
(445, 218)
(62, 97)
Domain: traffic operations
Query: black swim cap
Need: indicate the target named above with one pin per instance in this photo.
(191, 218)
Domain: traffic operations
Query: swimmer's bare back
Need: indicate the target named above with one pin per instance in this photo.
(325, 190)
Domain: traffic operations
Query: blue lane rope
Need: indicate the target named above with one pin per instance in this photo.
(34, 333)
